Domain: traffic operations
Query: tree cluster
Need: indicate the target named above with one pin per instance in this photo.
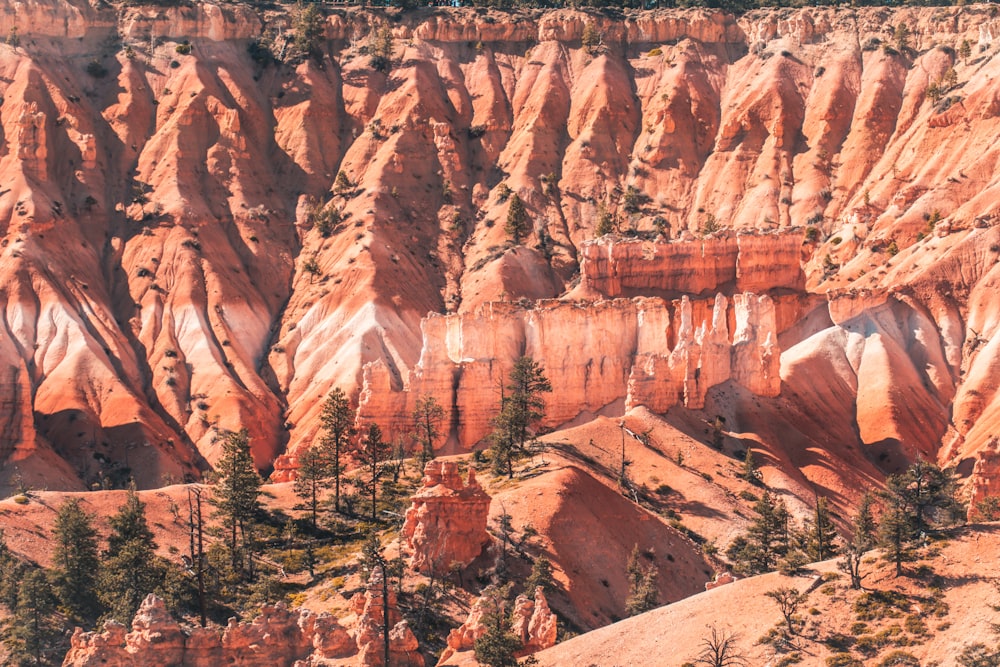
(914, 503)
(84, 583)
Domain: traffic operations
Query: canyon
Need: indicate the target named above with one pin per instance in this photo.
(164, 277)
(205, 229)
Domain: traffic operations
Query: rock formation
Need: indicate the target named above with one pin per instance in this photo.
(446, 522)
(278, 636)
(369, 633)
(743, 262)
(643, 351)
(532, 622)
(194, 240)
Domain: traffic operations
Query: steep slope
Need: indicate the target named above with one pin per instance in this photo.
(196, 238)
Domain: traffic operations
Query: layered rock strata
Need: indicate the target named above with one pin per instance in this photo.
(607, 355)
(612, 266)
(446, 521)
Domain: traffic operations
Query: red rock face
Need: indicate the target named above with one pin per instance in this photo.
(164, 278)
(446, 522)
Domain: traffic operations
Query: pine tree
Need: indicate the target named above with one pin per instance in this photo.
(427, 418)
(862, 540)
(380, 49)
(896, 533)
(31, 634)
(338, 423)
(130, 569)
(643, 594)
(540, 577)
(236, 496)
(788, 600)
(75, 563)
(927, 492)
(517, 219)
(750, 472)
(502, 443)
(310, 480)
(820, 535)
(497, 646)
(526, 386)
(767, 539)
(11, 572)
(374, 451)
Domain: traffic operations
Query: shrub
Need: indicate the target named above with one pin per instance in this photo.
(591, 38)
(843, 660)
(184, 48)
(899, 659)
(96, 69)
(655, 52)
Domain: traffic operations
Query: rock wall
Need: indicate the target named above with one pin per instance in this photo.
(446, 521)
(612, 266)
(608, 355)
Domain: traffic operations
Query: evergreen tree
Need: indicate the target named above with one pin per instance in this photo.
(236, 496)
(862, 540)
(75, 563)
(926, 492)
(11, 571)
(788, 600)
(505, 528)
(524, 404)
(517, 219)
(427, 418)
(643, 594)
(309, 27)
(540, 577)
(896, 533)
(502, 442)
(380, 49)
(338, 423)
(31, 634)
(374, 451)
(767, 539)
(498, 645)
(130, 570)
(750, 472)
(310, 480)
(820, 535)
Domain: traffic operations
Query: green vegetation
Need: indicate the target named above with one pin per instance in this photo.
(521, 407)
(517, 219)
(643, 594)
(498, 645)
(428, 416)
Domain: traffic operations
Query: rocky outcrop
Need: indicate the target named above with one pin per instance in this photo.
(446, 521)
(612, 266)
(532, 622)
(369, 634)
(644, 351)
(278, 636)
